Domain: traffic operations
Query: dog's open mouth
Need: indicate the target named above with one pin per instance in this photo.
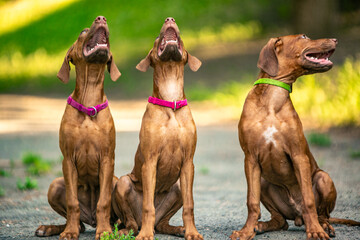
(321, 58)
(170, 42)
(99, 42)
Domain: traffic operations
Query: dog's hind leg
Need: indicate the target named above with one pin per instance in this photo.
(127, 205)
(325, 198)
(166, 205)
(57, 200)
(270, 198)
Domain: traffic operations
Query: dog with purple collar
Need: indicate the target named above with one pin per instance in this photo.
(161, 181)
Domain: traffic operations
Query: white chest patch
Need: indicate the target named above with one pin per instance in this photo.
(269, 135)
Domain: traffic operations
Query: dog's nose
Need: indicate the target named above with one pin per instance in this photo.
(100, 19)
(334, 40)
(169, 19)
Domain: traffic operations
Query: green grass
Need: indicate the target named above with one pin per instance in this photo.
(4, 173)
(2, 191)
(28, 63)
(204, 170)
(115, 235)
(355, 154)
(35, 164)
(27, 184)
(319, 139)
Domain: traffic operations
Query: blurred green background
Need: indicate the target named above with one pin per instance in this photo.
(227, 35)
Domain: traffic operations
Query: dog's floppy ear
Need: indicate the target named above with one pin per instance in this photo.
(144, 64)
(113, 70)
(64, 72)
(268, 61)
(194, 62)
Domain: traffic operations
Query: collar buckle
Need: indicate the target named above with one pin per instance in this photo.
(174, 106)
(96, 112)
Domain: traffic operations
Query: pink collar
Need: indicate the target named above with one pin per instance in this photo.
(174, 105)
(91, 111)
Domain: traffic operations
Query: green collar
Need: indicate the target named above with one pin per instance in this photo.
(273, 82)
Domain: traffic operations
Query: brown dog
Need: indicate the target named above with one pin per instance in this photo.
(280, 170)
(87, 143)
(150, 195)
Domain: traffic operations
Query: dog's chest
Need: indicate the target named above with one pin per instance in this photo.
(86, 143)
(178, 141)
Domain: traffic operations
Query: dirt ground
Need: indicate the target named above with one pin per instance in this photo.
(219, 186)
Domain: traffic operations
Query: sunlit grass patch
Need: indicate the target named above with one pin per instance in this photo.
(15, 14)
(331, 98)
(327, 99)
(40, 63)
(230, 32)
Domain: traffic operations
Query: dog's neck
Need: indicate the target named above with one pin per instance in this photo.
(274, 97)
(89, 88)
(169, 81)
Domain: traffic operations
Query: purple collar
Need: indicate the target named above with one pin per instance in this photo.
(174, 105)
(91, 111)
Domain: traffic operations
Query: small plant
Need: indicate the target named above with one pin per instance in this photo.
(12, 164)
(2, 191)
(204, 170)
(4, 173)
(29, 184)
(319, 139)
(355, 154)
(35, 164)
(115, 235)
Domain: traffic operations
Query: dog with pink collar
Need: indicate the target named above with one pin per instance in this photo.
(161, 181)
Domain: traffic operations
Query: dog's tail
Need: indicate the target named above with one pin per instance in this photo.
(344, 221)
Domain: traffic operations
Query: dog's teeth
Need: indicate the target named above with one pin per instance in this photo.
(327, 59)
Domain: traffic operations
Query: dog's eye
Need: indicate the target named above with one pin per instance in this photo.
(84, 31)
(304, 36)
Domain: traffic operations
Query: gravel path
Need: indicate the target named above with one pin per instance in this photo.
(219, 188)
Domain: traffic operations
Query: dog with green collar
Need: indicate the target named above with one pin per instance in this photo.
(280, 170)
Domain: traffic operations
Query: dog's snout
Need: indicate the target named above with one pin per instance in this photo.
(169, 19)
(100, 19)
(334, 40)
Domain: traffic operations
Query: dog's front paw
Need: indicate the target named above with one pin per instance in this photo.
(102, 231)
(316, 233)
(69, 235)
(243, 234)
(143, 235)
(193, 236)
